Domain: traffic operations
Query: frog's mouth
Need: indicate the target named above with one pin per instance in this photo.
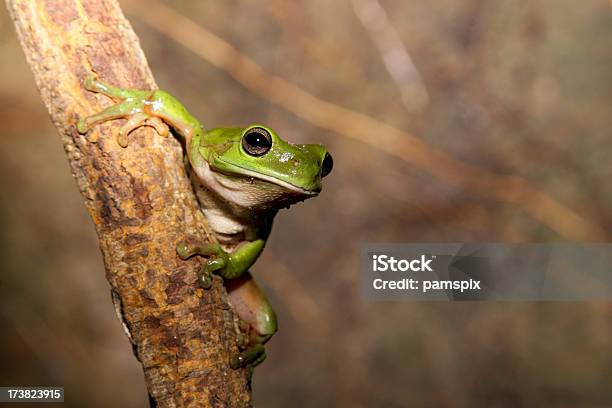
(245, 173)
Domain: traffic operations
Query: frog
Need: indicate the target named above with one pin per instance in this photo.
(241, 176)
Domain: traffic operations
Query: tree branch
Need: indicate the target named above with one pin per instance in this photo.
(140, 201)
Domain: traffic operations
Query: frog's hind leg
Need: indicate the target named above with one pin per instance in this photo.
(253, 307)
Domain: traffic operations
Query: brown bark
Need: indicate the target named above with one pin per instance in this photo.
(140, 201)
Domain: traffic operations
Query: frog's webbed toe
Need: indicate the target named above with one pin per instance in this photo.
(186, 250)
(160, 127)
(95, 85)
(141, 119)
(117, 111)
(131, 104)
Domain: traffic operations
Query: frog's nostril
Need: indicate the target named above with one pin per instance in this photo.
(327, 165)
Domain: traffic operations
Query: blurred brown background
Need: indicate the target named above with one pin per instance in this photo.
(513, 87)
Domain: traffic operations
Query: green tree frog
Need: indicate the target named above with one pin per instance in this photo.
(242, 177)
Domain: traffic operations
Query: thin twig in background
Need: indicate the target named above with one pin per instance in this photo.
(396, 58)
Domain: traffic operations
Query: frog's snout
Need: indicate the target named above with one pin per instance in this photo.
(318, 155)
(327, 165)
(314, 163)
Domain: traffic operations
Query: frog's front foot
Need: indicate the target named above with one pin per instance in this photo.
(217, 262)
(251, 357)
(131, 105)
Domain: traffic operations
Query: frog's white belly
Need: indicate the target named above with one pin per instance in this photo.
(238, 209)
(227, 230)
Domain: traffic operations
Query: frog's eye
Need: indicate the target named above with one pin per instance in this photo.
(327, 165)
(257, 141)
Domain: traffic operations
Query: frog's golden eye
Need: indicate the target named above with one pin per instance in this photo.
(257, 141)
